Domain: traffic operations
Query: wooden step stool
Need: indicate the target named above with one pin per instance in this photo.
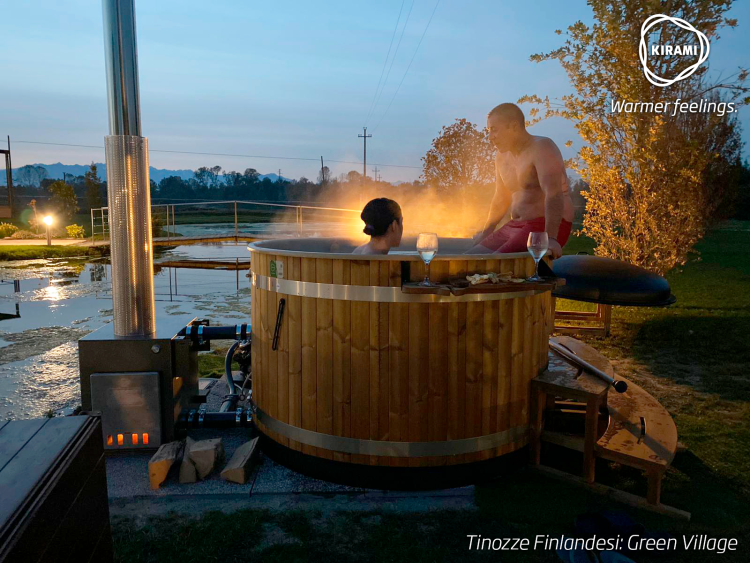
(586, 387)
(640, 432)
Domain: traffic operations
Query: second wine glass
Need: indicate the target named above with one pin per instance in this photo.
(537, 246)
(427, 246)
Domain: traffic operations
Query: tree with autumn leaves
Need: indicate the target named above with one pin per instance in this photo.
(459, 171)
(461, 156)
(656, 181)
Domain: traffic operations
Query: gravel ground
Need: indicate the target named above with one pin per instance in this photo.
(272, 486)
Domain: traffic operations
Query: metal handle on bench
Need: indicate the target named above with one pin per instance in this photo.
(567, 354)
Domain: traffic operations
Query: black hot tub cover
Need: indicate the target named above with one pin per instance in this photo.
(610, 282)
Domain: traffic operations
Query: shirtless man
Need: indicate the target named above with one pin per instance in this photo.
(530, 179)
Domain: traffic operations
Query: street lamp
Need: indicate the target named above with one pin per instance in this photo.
(48, 221)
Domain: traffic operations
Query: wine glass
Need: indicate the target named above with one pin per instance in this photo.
(537, 246)
(427, 246)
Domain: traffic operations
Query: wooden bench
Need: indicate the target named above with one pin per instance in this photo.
(640, 432)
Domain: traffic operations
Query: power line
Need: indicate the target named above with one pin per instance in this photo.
(395, 53)
(395, 28)
(221, 154)
(408, 67)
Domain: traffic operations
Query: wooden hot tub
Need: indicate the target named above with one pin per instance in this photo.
(366, 374)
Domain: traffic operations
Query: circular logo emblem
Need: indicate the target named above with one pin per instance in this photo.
(643, 50)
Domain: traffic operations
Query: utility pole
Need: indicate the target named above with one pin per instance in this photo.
(9, 177)
(322, 173)
(365, 136)
(377, 176)
(364, 165)
(279, 178)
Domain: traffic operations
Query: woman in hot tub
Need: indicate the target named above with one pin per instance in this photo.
(385, 225)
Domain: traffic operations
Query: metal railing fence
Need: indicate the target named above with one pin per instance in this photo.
(235, 218)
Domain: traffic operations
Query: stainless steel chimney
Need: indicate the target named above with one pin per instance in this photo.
(127, 178)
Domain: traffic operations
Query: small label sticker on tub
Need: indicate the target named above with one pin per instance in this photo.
(277, 269)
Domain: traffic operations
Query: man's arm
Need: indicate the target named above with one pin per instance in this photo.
(499, 206)
(550, 169)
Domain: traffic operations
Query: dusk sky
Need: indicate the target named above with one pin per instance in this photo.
(290, 78)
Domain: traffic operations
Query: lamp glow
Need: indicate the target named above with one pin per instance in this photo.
(48, 219)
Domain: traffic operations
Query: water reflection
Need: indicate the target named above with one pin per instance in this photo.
(31, 387)
(16, 289)
(46, 305)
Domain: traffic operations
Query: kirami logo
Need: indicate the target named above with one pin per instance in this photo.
(700, 50)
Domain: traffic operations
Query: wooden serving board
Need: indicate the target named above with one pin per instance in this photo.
(417, 289)
(457, 288)
(504, 287)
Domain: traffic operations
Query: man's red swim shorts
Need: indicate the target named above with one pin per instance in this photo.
(512, 236)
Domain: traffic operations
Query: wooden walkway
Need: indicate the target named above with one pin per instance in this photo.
(205, 264)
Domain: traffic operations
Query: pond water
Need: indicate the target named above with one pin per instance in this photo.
(47, 305)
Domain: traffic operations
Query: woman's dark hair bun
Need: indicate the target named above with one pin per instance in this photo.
(378, 215)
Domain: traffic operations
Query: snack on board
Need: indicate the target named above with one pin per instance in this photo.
(492, 277)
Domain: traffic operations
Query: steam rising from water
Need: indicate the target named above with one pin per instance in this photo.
(460, 212)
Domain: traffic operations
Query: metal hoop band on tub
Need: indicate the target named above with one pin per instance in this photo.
(374, 293)
(392, 449)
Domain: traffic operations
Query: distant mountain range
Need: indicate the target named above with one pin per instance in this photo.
(55, 171)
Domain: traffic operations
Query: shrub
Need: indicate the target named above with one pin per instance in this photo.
(75, 231)
(6, 229)
(25, 235)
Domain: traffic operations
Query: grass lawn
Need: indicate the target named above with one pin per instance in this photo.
(32, 252)
(694, 357)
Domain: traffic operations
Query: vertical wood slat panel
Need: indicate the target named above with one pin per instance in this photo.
(309, 361)
(398, 339)
(324, 355)
(517, 379)
(341, 359)
(294, 308)
(474, 361)
(505, 371)
(536, 333)
(384, 363)
(505, 354)
(416, 271)
(489, 371)
(528, 339)
(456, 365)
(419, 365)
(549, 321)
(490, 359)
(255, 330)
(263, 313)
(271, 374)
(282, 373)
(438, 366)
(474, 365)
(360, 359)
(374, 335)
